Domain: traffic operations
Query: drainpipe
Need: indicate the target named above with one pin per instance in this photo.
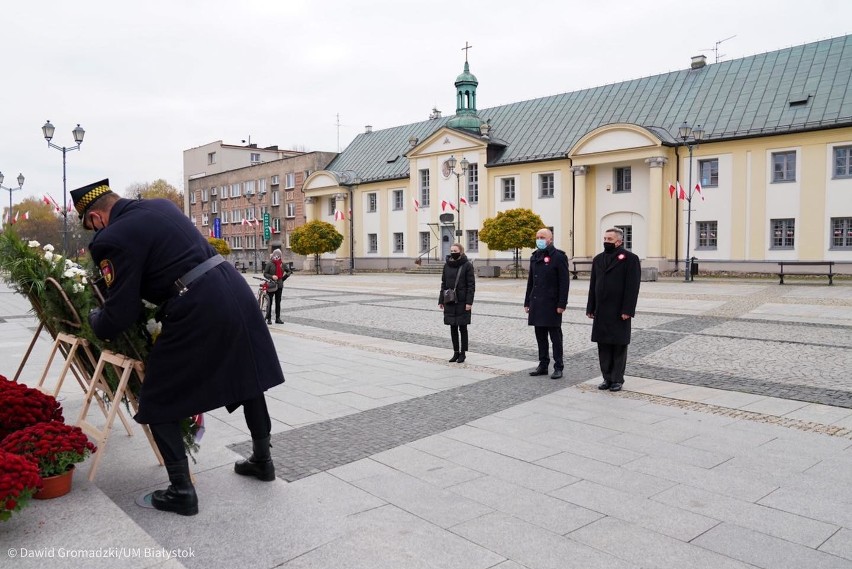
(677, 208)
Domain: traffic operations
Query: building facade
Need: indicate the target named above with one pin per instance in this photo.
(254, 208)
(766, 164)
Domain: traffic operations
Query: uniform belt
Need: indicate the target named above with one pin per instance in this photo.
(192, 275)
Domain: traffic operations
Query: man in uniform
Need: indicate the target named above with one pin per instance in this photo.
(546, 299)
(613, 293)
(214, 349)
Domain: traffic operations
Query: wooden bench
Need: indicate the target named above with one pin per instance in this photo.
(576, 269)
(828, 273)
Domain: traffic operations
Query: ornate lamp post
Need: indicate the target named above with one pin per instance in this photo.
(451, 162)
(250, 196)
(689, 137)
(10, 190)
(48, 130)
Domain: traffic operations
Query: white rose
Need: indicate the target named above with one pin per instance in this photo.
(48, 247)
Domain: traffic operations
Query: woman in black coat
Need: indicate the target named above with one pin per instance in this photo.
(457, 314)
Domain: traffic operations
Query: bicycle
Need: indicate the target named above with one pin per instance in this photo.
(263, 294)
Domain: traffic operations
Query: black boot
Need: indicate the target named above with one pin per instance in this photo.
(455, 357)
(180, 496)
(460, 358)
(259, 464)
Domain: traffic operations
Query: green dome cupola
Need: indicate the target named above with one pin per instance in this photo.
(466, 100)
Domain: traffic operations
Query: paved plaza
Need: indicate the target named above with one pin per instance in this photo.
(730, 446)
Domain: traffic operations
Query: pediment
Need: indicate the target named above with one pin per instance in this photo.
(445, 141)
(614, 138)
(320, 180)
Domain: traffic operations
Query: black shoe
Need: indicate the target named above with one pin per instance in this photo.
(279, 321)
(461, 358)
(604, 385)
(455, 357)
(259, 464)
(180, 496)
(557, 374)
(539, 371)
(268, 321)
(615, 387)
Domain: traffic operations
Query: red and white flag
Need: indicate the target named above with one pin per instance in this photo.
(464, 201)
(681, 194)
(671, 190)
(452, 206)
(27, 215)
(338, 215)
(443, 205)
(244, 221)
(256, 221)
(211, 233)
(698, 189)
(15, 220)
(416, 205)
(70, 207)
(45, 199)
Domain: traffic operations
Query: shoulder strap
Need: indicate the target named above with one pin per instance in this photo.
(458, 274)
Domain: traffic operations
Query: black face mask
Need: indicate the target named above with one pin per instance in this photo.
(609, 247)
(455, 255)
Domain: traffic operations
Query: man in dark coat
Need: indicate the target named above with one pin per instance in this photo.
(214, 349)
(457, 276)
(613, 292)
(546, 299)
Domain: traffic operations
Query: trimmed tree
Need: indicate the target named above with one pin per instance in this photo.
(511, 229)
(315, 238)
(220, 245)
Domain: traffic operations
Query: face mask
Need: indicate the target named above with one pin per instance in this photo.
(455, 255)
(541, 243)
(609, 247)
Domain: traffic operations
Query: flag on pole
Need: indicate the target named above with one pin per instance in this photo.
(45, 199)
(681, 194)
(443, 205)
(244, 221)
(256, 221)
(338, 215)
(416, 205)
(27, 215)
(671, 190)
(16, 217)
(464, 201)
(698, 189)
(452, 206)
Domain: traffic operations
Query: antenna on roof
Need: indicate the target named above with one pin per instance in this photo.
(715, 50)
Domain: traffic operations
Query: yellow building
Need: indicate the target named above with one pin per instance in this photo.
(762, 147)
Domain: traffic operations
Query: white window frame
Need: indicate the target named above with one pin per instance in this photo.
(547, 185)
(398, 200)
(508, 189)
(473, 183)
(399, 242)
(372, 243)
(276, 198)
(372, 202)
(289, 180)
(290, 210)
(424, 187)
(783, 166)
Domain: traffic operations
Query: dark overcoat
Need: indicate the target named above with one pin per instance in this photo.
(547, 287)
(455, 314)
(613, 291)
(214, 349)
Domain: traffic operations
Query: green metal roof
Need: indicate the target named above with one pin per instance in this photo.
(739, 98)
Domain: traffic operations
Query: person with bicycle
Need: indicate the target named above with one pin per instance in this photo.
(276, 272)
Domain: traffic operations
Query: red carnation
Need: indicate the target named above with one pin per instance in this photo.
(19, 480)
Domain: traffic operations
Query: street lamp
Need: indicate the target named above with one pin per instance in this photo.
(10, 190)
(250, 197)
(78, 133)
(451, 162)
(689, 137)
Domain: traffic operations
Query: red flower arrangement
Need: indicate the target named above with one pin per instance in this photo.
(19, 480)
(22, 406)
(53, 446)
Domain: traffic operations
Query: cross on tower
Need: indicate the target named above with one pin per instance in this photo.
(464, 49)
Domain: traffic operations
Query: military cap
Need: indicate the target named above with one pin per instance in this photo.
(87, 195)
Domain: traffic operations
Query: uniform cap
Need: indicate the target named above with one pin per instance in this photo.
(84, 197)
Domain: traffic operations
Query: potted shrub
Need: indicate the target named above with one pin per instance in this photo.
(54, 447)
(22, 406)
(19, 480)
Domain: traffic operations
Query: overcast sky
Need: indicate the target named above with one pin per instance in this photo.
(147, 80)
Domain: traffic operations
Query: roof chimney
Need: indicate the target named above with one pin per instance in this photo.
(368, 129)
(698, 61)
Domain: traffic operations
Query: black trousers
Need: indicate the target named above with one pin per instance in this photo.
(277, 296)
(170, 440)
(613, 358)
(555, 334)
(454, 336)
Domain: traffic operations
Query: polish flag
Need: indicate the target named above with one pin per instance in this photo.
(15, 220)
(681, 195)
(338, 215)
(452, 206)
(698, 189)
(671, 190)
(464, 201)
(443, 205)
(256, 221)
(45, 199)
(244, 221)
(416, 205)
(27, 215)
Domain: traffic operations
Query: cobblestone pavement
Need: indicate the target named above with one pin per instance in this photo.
(722, 346)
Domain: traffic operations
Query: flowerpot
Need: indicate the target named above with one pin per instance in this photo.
(55, 486)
